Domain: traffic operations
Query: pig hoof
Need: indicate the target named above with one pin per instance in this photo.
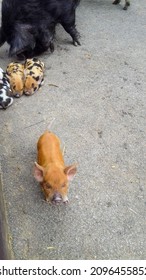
(116, 2)
(76, 43)
(126, 6)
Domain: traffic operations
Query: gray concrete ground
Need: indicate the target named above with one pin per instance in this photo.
(96, 93)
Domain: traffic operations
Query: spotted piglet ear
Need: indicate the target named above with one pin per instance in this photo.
(70, 171)
(38, 172)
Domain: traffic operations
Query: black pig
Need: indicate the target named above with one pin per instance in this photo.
(28, 26)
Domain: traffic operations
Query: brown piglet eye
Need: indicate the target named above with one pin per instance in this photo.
(63, 185)
(48, 186)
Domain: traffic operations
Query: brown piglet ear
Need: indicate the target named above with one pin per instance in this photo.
(70, 171)
(38, 172)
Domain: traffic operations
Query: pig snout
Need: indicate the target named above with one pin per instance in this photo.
(58, 198)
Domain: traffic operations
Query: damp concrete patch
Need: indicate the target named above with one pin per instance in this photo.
(5, 252)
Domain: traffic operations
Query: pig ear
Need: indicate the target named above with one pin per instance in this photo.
(38, 172)
(70, 171)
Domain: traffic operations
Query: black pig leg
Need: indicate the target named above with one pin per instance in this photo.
(69, 26)
(127, 3)
(73, 33)
(2, 37)
(116, 2)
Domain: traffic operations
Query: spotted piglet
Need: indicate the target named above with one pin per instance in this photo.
(5, 91)
(34, 75)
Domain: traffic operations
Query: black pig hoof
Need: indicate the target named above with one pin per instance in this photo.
(116, 2)
(126, 6)
(76, 43)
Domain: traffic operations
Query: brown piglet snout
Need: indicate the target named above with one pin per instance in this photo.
(50, 170)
